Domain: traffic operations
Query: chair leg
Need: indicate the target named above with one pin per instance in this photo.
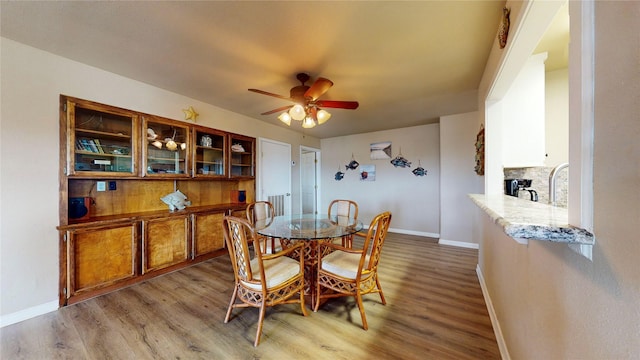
(384, 302)
(304, 311)
(361, 308)
(260, 320)
(233, 300)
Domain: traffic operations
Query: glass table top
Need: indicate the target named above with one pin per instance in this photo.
(307, 227)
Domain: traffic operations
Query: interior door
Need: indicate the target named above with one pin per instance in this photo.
(275, 175)
(309, 172)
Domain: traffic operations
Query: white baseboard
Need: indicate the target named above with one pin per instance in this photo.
(502, 345)
(459, 244)
(417, 233)
(29, 313)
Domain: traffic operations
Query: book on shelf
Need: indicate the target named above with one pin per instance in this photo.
(87, 146)
(99, 146)
(93, 146)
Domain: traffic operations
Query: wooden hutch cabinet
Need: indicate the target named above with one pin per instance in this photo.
(115, 166)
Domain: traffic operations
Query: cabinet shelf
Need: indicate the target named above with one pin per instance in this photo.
(94, 154)
(163, 159)
(102, 133)
(208, 148)
(210, 162)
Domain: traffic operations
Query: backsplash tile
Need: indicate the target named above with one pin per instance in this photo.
(540, 182)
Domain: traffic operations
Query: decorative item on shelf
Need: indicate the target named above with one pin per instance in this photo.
(206, 141)
(176, 200)
(353, 164)
(503, 29)
(479, 168)
(239, 196)
(400, 161)
(170, 143)
(339, 175)
(237, 148)
(190, 114)
(419, 171)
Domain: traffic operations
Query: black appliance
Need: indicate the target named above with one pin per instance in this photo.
(512, 187)
(79, 208)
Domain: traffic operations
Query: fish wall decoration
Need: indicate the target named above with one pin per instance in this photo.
(353, 164)
(400, 161)
(419, 171)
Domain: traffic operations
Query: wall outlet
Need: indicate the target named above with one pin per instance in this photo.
(101, 186)
(112, 185)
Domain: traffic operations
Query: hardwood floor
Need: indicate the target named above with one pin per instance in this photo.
(435, 310)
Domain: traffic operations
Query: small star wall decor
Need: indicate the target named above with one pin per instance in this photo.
(190, 114)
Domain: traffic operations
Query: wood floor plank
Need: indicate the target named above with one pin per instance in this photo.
(435, 310)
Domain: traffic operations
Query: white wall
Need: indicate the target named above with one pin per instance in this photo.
(458, 178)
(31, 83)
(414, 201)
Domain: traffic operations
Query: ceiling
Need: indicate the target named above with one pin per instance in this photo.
(406, 63)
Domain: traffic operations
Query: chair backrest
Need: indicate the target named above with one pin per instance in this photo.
(238, 233)
(375, 239)
(343, 210)
(260, 212)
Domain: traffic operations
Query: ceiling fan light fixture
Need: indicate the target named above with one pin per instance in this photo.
(308, 122)
(285, 118)
(323, 116)
(297, 112)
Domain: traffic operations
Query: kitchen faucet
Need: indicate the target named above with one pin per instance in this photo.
(552, 182)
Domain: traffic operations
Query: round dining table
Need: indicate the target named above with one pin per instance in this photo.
(311, 229)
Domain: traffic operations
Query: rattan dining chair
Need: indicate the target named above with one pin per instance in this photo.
(353, 272)
(262, 212)
(265, 280)
(344, 211)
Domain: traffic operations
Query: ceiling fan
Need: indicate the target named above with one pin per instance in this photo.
(307, 107)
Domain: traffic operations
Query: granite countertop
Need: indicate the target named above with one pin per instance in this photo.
(526, 220)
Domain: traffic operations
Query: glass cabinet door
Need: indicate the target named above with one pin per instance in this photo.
(242, 156)
(101, 140)
(209, 153)
(166, 148)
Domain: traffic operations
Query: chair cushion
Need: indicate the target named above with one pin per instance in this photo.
(277, 271)
(342, 263)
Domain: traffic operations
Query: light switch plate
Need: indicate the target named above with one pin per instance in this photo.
(101, 186)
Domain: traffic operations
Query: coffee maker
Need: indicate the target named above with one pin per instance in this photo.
(512, 187)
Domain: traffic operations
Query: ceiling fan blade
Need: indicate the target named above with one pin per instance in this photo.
(338, 104)
(277, 110)
(318, 88)
(269, 94)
